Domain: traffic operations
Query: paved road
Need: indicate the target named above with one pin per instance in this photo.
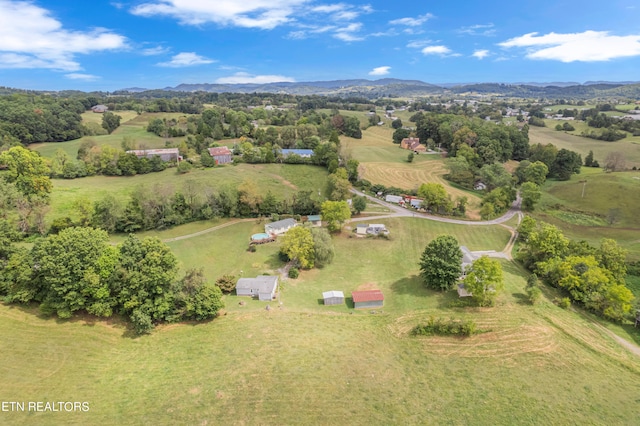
(401, 211)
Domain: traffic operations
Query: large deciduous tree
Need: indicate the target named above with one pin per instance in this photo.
(484, 280)
(298, 245)
(530, 195)
(441, 263)
(335, 213)
(27, 170)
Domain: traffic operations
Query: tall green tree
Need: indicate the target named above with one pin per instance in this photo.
(322, 246)
(441, 263)
(484, 280)
(27, 170)
(298, 245)
(530, 195)
(110, 121)
(335, 213)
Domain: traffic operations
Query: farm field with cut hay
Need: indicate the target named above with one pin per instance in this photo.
(384, 162)
(531, 364)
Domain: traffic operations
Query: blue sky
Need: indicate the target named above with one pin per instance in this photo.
(109, 45)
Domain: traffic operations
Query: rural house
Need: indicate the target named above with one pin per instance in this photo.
(304, 153)
(333, 297)
(467, 258)
(413, 144)
(264, 287)
(367, 299)
(165, 154)
(99, 108)
(221, 154)
(280, 227)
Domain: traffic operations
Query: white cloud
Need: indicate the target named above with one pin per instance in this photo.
(186, 59)
(246, 78)
(480, 54)
(85, 77)
(588, 46)
(263, 14)
(31, 38)
(347, 33)
(478, 30)
(152, 51)
(380, 71)
(412, 22)
(418, 44)
(436, 50)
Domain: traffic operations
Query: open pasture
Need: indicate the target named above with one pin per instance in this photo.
(277, 178)
(287, 365)
(629, 146)
(134, 128)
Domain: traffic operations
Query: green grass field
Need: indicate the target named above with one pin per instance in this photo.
(304, 363)
(587, 217)
(630, 146)
(276, 178)
(132, 125)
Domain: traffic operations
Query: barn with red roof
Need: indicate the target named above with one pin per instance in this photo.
(367, 299)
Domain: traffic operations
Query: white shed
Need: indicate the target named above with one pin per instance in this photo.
(333, 297)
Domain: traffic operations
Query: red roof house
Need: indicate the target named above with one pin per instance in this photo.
(221, 154)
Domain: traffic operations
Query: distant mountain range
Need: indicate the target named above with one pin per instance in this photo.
(391, 87)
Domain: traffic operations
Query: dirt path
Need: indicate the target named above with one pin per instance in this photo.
(206, 231)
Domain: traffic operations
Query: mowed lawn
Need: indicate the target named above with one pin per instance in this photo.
(586, 218)
(304, 363)
(277, 178)
(629, 146)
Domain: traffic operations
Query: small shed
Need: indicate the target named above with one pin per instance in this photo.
(367, 299)
(333, 297)
(165, 154)
(280, 227)
(361, 229)
(264, 287)
(314, 219)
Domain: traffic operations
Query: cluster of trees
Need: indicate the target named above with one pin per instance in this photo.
(307, 247)
(490, 142)
(437, 200)
(78, 270)
(163, 206)
(441, 268)
(592, 276)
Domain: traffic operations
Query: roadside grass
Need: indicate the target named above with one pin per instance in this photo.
(629, 146)
(532, 364)
(277, 178)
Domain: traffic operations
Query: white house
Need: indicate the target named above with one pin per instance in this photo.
(264, 287)
(280, 227)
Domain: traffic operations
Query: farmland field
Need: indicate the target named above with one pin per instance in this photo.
(532, 365)
(588, 218)
(629, 146)
(277, 178)
(385, 163)
(132, 125)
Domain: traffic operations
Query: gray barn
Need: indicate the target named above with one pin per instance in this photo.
(333, 297)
